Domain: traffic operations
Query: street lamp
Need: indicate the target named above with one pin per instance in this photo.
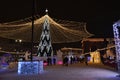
(32, 37)
(17, 42)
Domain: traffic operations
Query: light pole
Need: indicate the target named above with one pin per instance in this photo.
(32, 34)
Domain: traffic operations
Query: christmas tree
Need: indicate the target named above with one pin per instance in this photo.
(45, 46)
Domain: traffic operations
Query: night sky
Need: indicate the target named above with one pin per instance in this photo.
(98, 14)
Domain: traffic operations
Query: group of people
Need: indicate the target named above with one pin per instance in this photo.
(74, 59)
(51, 61)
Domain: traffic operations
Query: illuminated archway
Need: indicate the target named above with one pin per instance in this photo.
(116, 27)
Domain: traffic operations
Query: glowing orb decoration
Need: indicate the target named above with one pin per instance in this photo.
(45, 63)
(60, 62)
(28, 67)
(46, 11)
(116, 27)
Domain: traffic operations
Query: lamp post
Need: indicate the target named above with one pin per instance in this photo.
(32, 34)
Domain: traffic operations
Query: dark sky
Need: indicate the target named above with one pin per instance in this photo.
(98, 14)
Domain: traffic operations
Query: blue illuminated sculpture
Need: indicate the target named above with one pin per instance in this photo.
(29, 67)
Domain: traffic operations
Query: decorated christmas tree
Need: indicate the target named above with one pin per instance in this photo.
(45, 46)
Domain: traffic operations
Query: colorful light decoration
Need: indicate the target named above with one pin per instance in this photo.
(117, 42)
(60, 62)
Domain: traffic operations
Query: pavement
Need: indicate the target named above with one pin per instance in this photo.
(77, 71)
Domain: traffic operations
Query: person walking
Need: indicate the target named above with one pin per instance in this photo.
(86, 60)
(54, 60)
(66, 61)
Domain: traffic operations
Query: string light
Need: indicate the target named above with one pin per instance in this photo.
(66, 48)
(65, 31)
(117, 43)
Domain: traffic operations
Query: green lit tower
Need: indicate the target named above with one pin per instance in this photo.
(45, 46)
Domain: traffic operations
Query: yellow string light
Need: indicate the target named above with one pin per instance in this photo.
(67, 31)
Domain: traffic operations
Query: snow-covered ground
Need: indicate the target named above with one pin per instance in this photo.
(71, 72)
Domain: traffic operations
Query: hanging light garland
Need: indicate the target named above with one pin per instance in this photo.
(64, 31)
